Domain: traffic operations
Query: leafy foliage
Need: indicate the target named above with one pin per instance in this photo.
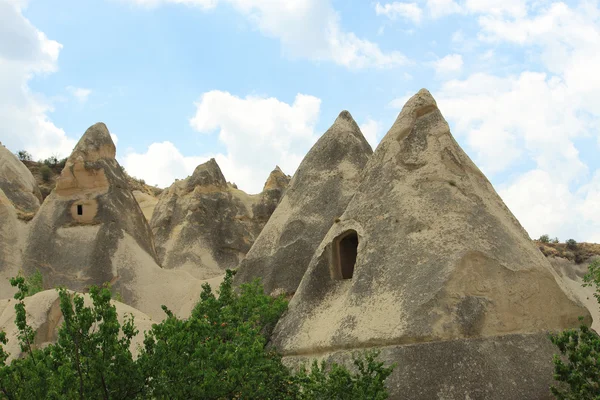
(578, 370)
(544, 239)
(571, 244)
(24, 155)
(220, 352)
(34, 283)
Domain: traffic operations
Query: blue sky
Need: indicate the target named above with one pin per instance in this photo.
(254, 83)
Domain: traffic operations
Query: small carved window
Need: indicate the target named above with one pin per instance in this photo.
(345, 251)
(79, 209)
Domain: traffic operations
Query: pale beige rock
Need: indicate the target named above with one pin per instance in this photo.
(441, 265)
(147, 203)
(11, 244)
(18, 184)
(204, 225)
(317, 194)
(570, 277)
(91, 230)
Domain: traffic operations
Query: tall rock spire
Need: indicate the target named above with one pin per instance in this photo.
(317, 194)
(427, 255)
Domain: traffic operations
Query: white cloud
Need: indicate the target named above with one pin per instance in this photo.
(161, 164)
(545, 205)
(372, 131)
(80, 94)
(451, 63)
(441, 8)
(306, 29)
(258, 133)
(25, 52)
(395, 10)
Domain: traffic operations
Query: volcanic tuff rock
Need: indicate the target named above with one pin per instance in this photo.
(90, 230)
(18, 184)
(204, 225)
(11, 230)
(318, 193)
(429, 262)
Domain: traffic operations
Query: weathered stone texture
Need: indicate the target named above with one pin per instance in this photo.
(204, 225)
(18, 184)
(440, 258)
(318, 193)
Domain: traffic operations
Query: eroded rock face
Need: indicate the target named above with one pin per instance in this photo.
(18, 184)
(317, 194)
(427, 254)
(204, 225)
(11, 246)
(78, 230)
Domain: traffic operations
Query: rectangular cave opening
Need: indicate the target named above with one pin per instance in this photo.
(79, 209)
(347, 251)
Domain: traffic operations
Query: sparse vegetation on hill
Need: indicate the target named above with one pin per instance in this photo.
(220, 352)
(48, 170)
(571, 250)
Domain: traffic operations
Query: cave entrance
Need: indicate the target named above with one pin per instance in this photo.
(79, 209)
(345, 252)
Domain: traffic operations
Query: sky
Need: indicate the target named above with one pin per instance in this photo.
(254, 83)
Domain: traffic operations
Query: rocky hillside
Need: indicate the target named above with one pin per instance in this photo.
(47, 171)
(579, 253)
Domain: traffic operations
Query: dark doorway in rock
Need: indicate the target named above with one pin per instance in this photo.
(79, 209)
(345, 252)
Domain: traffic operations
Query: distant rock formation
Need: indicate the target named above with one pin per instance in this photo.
(11, 234)
(318, 193)
(428, 265)
(204, 225)
(18, 184)
(147, 203)
(90, 230)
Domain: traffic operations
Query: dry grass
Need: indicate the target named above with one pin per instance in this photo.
(581, 253)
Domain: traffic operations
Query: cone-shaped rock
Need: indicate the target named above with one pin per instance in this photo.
(75, 237)
(430, 266)
(318, 193)
(18, 184)
(273, 191)
(204, 225)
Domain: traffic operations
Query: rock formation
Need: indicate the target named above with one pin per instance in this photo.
(147, 203)
(11, 234)
(428, 265)
(204, 225)
(90, 230)
(318, 193)
(18, 184)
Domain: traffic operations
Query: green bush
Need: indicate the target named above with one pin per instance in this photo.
(544, 239)
(35, 283)
(571, 244)
(24, 155)
(577, 368)
(46, 172)
(218, 353)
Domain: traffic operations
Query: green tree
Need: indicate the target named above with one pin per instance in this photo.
(46, 172)
(544, 238)
(577, 369)
(220, 352)
(571, 244)
(24, 155)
